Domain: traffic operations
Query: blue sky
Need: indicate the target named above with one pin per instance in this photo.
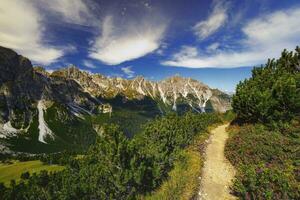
(214, 41)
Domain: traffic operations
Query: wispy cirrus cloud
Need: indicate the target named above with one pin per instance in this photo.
(69, 11)
(215, 20)
(264, 37)
(118, 43)
(21, 29)
(23, 26)
(128, 71)
(89, 64)
(213, 47)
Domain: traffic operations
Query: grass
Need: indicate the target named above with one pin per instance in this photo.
(10, 171)
(183, 182)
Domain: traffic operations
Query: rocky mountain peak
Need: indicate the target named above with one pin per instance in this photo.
(27, 94)
(171, 91)
(22, 86)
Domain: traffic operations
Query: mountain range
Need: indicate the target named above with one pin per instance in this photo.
(49, 112)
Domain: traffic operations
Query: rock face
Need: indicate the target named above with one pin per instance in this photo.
(31, 99)
(22, 86)
(13, 66)
(17, 88)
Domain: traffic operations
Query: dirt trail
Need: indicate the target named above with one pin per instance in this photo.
(217, 173)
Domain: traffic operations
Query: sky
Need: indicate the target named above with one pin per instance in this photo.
(217, 42)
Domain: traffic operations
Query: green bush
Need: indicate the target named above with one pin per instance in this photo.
(272, 94)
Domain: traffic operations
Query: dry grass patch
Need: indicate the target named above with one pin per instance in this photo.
(183, 182)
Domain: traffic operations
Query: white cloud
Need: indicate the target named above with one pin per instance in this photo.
(213, 47)
(186, 52)
(89, 64)
(21, 30)
(215, 20)
(124, 42)
(162, 48)
(279, 27)
(265, 37)
(128, 71)
(223, 59)
(70, 11)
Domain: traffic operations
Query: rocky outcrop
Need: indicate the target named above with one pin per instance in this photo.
(171, 92)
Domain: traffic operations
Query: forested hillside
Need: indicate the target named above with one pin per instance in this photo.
(265, 136)
(116, 167)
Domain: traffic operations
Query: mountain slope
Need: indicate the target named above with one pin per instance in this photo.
(43, 112)
(26, 99)
(172, 92)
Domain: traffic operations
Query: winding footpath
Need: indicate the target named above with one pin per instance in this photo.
(217, 172)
